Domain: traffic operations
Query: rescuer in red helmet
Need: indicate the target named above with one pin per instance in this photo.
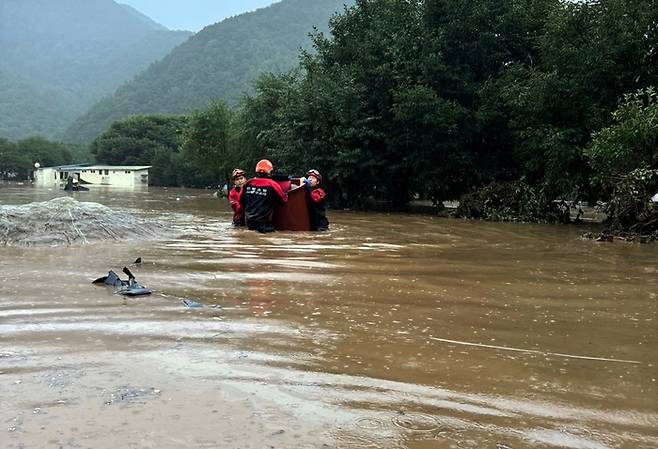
(259, 196)
(317, 201)
(238, 178)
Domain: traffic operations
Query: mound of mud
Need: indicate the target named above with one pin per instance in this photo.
(65, 221)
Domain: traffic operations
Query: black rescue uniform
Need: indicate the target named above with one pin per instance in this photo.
(317, 209)
(259, 195)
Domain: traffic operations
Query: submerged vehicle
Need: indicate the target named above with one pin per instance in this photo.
(127, 288)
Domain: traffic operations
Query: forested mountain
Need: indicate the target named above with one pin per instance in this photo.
(70, 53)
(219, 62)
(28, 109)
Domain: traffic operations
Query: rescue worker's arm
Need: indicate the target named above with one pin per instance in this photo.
(235, 205)
(318, 195)
(280, 194)
(234, 201)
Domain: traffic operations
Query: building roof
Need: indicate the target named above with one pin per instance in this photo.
(117, 167)
(75, 167)
(70, 167)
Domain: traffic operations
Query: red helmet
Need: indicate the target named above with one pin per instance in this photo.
(237, 173)
(264, 166)
(316, 174)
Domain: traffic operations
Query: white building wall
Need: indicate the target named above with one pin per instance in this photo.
(46, 177)
(115, 177)
(120, 176)
(108, 176)
(141, 178)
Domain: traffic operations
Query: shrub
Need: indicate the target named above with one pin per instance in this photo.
(510, 201)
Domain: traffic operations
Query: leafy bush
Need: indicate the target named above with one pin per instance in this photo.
(631, 209)
(630, 143)
(510, 201)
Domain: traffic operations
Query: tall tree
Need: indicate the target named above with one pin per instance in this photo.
(145, 140)
(206, 143)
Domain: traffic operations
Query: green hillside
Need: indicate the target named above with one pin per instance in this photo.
(75, 52)
(27, 109)
(219, 62)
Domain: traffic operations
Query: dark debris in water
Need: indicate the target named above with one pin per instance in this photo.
(611, 236)
(190, 304)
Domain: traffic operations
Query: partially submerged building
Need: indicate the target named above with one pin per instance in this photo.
(104, 175)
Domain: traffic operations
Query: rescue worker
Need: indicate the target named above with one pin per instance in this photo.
(72, 184)
(69, 184)
(238, 178)
(317, 201)
(259, 195)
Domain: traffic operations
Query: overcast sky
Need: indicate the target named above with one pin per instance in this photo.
(193, 15)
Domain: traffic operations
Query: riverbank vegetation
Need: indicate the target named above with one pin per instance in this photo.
(624, 161)
(631, 215)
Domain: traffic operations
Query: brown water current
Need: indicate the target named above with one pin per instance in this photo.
(389, 331)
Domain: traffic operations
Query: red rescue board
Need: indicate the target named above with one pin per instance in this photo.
(293, 216)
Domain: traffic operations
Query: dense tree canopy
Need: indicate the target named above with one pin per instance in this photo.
(17, 159)
(206, 142)
(438, 97)
(631, 142)
(149, 140)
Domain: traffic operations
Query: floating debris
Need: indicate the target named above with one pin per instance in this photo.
(134, 290)
(128, 288)
(65, 221)
(111, 280)
(192, 304)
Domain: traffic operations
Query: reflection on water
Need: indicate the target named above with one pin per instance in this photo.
(389, 331)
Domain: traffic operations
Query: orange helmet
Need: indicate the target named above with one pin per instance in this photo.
(237, 173)
(264, 166)
(316, 174)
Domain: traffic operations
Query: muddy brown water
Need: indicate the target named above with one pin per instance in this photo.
(389, 331)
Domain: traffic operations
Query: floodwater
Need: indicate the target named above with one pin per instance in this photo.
(389, 331)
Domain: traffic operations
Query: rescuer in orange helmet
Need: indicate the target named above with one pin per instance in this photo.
(258, 197)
